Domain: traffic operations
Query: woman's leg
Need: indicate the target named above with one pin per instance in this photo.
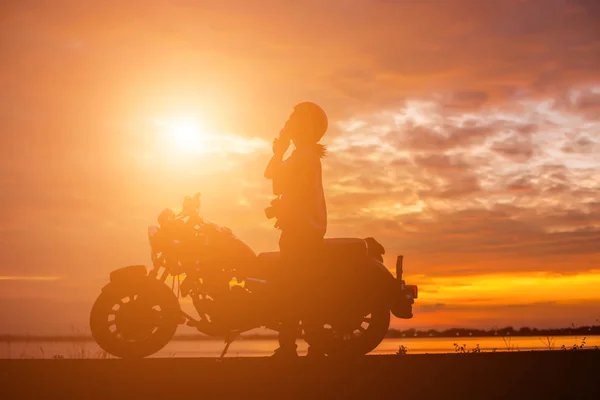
(300, 254)
(286, 287)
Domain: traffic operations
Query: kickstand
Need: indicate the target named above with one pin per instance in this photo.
(228, 340)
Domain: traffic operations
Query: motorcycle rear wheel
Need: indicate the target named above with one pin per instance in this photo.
(360, 338)
(134, 321)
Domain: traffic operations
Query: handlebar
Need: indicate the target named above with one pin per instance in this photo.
(191, 206)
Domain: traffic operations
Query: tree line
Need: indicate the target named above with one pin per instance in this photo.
(506, 331)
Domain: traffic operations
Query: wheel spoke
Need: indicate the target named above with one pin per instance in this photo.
(356, 334)
(155, 318)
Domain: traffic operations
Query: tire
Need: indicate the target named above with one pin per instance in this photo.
(351, 342)
(134, 320)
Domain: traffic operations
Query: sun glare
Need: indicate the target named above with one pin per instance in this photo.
(184, 134)
(183, 138)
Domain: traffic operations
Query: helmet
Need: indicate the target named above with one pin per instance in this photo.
(311, 115)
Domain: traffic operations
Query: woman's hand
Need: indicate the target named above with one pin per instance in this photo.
(280, 145)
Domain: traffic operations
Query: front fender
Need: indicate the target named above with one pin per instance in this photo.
(129, 275)
(135, 280)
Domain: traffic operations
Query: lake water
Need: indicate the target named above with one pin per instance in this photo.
(261, 348)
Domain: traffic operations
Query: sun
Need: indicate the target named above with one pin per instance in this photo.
(183, 134)
(185, 138)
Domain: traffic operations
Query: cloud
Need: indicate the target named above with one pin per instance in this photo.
(520, 184)
(423, 139)
(466, 99)
(495, 186)
(582, 144)
(429, 308)
(441, 164)
(515, 148)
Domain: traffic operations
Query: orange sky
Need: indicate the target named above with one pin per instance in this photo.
(464, 134)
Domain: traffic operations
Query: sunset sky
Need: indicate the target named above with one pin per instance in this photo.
(464, 134)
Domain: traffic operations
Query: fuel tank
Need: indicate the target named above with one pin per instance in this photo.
(228, 250)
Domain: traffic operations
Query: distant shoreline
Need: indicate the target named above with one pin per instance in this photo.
(392, 334)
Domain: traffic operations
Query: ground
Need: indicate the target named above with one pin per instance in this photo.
(515, 375)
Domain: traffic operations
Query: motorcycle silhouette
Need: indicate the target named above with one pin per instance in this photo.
(232, 290)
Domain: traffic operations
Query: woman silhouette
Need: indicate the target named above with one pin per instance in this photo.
(301, 213)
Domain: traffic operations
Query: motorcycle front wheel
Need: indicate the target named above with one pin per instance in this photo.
(134, 321)
(350, 338)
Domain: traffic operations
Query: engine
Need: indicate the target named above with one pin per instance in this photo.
(189, 244)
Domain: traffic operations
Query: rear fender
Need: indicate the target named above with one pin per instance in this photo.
(384, 283)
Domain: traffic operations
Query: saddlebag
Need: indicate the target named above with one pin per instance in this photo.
(375, 249)
(341, 251)
(403, 301)
(404, 296)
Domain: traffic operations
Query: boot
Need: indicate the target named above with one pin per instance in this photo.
(286, 352)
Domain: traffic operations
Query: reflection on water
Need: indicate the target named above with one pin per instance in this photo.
(262, 348)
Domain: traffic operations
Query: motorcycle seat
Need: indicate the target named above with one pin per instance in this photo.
(269, 257)
(344, 250)
(338, 250)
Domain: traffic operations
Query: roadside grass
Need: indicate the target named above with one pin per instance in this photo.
(79, 350)
(508, 343)
(548, 342)
(579, 346)
(402, 350)
(465, 350)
